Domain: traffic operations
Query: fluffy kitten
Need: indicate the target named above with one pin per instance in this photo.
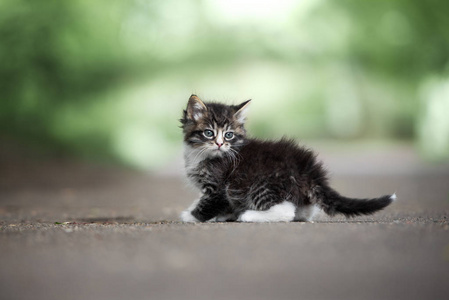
(250, 180)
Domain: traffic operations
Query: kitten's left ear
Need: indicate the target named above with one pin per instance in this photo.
(242, 111)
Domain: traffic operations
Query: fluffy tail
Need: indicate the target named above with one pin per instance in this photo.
(333, 203)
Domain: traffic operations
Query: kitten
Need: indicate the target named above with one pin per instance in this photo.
(250, 180)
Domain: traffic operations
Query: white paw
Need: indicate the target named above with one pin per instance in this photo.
(186, 216)
(249, 216)
(282, 212)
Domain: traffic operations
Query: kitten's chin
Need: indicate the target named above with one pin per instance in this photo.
(216, 153)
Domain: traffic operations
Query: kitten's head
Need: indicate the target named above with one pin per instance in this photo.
(214, 129)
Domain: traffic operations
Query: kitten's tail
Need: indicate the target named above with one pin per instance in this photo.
(333, 203)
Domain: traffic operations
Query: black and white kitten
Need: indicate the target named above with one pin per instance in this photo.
(250, 180)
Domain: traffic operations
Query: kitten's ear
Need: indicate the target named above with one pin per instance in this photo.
(195, 108)
(242, 111)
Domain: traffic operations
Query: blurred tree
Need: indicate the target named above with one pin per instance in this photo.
(107, 79)
(53, 53)
(407, 44)
(405, 39)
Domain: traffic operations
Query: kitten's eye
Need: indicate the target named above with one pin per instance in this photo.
(229, 135)
(208, 133)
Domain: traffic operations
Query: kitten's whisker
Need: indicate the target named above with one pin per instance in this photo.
(200, 153)
(197, 154)
(235, 158)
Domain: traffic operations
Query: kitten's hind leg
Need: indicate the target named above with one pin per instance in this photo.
(282, 212)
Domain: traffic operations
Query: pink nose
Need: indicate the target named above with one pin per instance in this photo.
(219, 145)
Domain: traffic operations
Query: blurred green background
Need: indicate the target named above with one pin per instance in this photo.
(106, 80)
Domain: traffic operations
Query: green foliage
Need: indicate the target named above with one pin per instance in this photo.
(107, 80)
(399, 38)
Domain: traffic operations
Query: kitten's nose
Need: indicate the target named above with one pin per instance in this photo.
(219, 144)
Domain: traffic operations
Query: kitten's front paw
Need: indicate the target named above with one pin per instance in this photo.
(186, 216)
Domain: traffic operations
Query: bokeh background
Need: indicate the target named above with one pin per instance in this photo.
(91, 175)
(106, 80)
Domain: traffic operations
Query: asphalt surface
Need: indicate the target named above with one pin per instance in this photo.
(81, 231)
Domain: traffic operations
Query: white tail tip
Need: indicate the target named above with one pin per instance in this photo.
(393, 197)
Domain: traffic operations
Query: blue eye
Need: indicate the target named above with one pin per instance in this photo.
(229, 135)
(208, 133)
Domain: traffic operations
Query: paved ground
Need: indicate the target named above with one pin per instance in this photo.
(77, 231)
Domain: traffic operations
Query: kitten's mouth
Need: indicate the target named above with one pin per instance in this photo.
(218, 151)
